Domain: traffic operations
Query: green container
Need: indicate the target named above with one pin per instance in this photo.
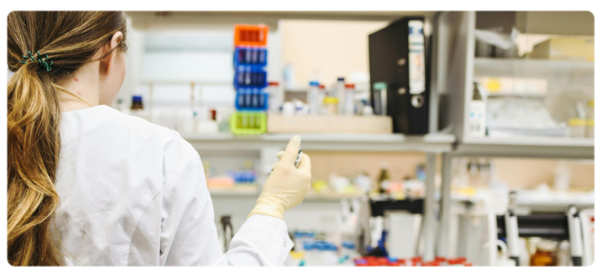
(248, 123)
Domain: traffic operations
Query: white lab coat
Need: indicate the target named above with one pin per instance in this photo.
(134, 193)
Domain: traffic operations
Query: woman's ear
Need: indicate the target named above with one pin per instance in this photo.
(107, 63)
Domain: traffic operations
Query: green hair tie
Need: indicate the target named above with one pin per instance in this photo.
(42, 60)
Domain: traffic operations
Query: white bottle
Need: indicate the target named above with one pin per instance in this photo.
(275, 98)
(562, 177)
(348, 103)
(312, 98)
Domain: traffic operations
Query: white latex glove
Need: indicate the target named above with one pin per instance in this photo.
(287, 185)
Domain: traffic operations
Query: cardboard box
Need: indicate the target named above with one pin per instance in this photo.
(565, 48)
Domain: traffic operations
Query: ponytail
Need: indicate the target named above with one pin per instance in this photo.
(33, 149)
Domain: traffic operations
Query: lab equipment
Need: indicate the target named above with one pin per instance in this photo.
(367, 110)
(545, 254)
(348, 103)
(312, 98)
(379, 98)
(338, 92)
(248, 123)
(384, 179)
(286, 186)
(227, 231)
(251, 35)
(250, 76)
(275, 100)
(397, 56)
(577, 128)
(252, 99)
(256, 56)
(288, 109)
(330, 105)
(477, 114)
(297, 162)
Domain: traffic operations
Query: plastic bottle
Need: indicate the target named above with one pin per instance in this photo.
(577, 128)
(380, 98)
(330, 255)
(310, 253)
(313, 99)
(338, 92)
(137, 107)
(330, 105)
(275, 98)
(348, 253)
(322, 95)
(348, 102)
(545, 254)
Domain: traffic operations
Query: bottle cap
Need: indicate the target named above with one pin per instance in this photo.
(273, 83)
(591, 103)
(309, 245)
(322, 86)
(314, 83)
(576, 122)
(348, 245)
(349, 85)
(137, 98)
(330, 100)
(379, 86)
(340, 79)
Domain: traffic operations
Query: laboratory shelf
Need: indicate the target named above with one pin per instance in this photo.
(526, 147)
(432, 143)
(235, 191)
(529, 67)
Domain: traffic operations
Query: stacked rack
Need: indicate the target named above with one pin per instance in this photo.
(250, 80)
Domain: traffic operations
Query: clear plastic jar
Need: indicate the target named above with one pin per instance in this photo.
(330, 105)
(577, 128)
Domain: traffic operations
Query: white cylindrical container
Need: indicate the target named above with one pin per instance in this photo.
(348, 103)
(288, 109)
(312, 98)
(275, 98)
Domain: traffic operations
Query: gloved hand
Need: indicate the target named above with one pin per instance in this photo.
(287, 185)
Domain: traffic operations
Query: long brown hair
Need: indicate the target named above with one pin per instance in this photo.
(70, 39)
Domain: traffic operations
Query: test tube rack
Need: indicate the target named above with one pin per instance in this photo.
(250, 80)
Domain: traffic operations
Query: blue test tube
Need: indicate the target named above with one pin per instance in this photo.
(248, 95)
(255, 98)
(248, 55)
(262, 57)
(241, 94)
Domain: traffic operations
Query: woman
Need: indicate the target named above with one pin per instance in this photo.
(88, 185)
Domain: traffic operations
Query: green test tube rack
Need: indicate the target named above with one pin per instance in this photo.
(248, 123)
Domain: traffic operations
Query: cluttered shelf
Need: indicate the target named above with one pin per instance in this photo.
(435, 143)
(545, 147)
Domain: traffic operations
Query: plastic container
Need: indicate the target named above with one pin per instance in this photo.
(545, 254)
(338, 92)
(251, 99)
(250, 35)
(348, 103)
(250, 76)
(275, 98)
(330, 105)
(248, 123)
(310, 254)
(250, 56)
(379, 99)
(312, 98)
(577, 128)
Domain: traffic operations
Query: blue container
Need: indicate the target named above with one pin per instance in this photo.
(250, 77)
(251, 99)
(249, 56)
